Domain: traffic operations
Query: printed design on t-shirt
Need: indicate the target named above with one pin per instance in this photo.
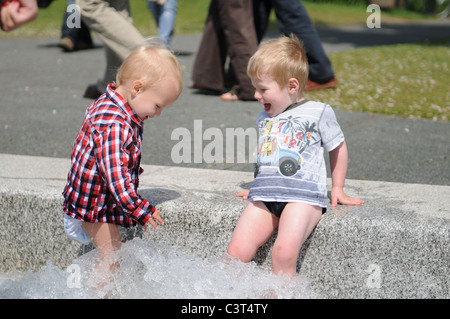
(281, 143)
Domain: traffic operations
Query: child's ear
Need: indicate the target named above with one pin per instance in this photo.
(136, 87)
(293, 85)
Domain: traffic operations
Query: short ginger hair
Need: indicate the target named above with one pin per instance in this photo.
(150, 64)
(282, 58)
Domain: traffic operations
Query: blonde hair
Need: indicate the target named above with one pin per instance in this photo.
(150, 64)
(281, 59)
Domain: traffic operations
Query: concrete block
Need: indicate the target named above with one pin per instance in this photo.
(394, 246)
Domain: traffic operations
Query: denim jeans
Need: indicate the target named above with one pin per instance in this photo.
(165, 16)
(81, 34)
(292, 17)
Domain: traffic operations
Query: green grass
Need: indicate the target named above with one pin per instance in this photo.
(339, 15)
(400, 80)
(192, 15)
(408, 80)
(190, 19)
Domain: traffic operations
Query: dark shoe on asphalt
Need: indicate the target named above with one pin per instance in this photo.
(81, 45)
(313, 86)
(66, 44)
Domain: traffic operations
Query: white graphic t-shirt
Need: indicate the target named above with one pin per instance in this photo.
(290, 156)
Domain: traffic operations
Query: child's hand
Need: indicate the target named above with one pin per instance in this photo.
(243, 194)
(338, 196)
(155, 216)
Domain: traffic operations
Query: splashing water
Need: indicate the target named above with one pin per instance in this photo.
(151, 270)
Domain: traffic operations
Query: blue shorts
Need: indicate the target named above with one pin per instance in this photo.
(276, 208)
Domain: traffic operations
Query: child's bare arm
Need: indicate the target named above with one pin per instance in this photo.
(338, 163)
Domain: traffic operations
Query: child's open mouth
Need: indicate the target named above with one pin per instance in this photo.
(267, 107)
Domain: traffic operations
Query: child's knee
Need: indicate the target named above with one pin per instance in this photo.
(238, 251)
(284, 254)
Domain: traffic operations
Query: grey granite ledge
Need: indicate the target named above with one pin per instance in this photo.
(394, 246)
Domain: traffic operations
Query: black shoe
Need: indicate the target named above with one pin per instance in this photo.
(81, 45)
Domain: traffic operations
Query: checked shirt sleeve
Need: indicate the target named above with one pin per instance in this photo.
(117, 155)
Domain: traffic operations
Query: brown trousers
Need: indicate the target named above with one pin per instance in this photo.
(229, 32)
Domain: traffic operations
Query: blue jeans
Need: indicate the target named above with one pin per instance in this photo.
(75, 34)
(292, 17)
(165, 16)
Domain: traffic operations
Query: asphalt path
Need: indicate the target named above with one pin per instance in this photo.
(42, 109)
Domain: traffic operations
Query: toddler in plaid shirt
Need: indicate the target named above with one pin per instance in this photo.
(101, 192)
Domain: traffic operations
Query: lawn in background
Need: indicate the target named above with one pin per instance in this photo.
(401, 80)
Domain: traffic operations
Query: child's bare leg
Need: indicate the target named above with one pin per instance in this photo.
(296, 224)
(254, 228)
(107, 240)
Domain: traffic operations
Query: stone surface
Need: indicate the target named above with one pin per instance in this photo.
(394, 246)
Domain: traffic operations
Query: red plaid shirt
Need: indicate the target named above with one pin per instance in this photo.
(104, 176)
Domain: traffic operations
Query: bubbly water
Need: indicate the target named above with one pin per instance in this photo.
(151, 270)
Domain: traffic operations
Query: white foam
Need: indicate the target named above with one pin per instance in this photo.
(151, 270)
